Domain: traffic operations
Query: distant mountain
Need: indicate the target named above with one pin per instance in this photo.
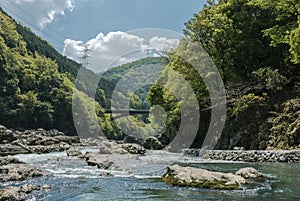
(110, 78)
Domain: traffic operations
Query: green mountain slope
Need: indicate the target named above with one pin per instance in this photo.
(110, 78)
(36, 84)
(70, 68)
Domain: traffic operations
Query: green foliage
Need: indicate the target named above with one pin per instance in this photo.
(243, 103)
(35, 44)
(241, 35)
(284, 132)
(255, 46)
(270, 79)
(286, 25)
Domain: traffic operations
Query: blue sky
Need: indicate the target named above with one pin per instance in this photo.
(70, 24)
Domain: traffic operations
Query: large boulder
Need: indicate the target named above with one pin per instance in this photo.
(153, 143)
(201, 178)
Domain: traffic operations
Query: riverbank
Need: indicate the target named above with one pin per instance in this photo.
(282, 156)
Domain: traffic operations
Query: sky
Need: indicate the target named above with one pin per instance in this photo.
(112, 32)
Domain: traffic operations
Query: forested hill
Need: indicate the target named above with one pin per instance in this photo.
(256, 46)
(110, 78)
(36, 82)
(36, 44)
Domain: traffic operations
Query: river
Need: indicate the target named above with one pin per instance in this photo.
(72, 180)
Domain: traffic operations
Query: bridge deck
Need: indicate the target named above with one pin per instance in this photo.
(124, 111)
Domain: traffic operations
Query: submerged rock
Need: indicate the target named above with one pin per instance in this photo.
(105, 174)
(110, 161)
(201, 178)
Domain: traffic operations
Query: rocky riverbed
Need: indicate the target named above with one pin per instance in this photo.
(287, 156)
(34, 141)
(128, 157)
(13, 170)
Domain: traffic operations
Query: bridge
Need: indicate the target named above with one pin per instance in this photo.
(125, 112)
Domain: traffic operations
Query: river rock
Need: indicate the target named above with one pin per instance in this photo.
(153, 143)
(9, 160)
(111, 147)
(99, 160)
(109, 161)
(134, 148)
(201, 178)
(20, 193)
(34, 141)
(249, 173)
(19, 172)
(6, 136)
(74, 152)
(2, 127)
(9, 149)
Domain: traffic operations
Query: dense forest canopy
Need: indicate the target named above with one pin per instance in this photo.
(255, 45)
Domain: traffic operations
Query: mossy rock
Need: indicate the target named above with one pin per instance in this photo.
(200, 178)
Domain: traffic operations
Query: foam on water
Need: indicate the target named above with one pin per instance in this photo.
(71, 179)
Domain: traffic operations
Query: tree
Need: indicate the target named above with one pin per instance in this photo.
(232, 32)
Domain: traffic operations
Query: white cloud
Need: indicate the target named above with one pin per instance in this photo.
(37, 13)
(116, 48)
(73, 49)
(163, 43)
